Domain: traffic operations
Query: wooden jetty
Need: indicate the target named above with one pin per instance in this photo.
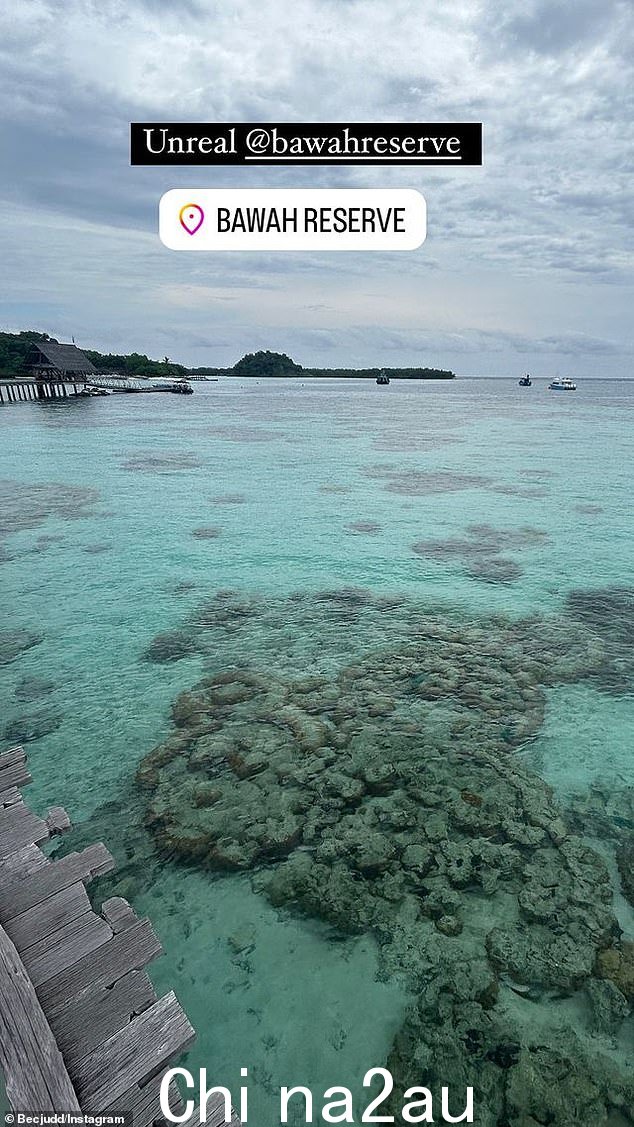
(81, 1028)
(24, 388)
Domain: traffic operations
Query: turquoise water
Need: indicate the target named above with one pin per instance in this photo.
(123, 515)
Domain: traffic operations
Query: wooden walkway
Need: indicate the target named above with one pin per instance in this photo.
(81, 1028)
(25, 388)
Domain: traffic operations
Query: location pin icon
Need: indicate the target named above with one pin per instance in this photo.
(191, 217)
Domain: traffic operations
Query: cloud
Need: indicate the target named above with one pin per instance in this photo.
(532, 248)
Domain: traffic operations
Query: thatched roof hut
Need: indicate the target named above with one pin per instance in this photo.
(48, 360)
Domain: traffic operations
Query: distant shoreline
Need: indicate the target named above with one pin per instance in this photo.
(332, 374)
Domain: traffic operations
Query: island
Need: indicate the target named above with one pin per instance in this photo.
(16, 348)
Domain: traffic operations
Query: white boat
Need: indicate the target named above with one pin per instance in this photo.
(93, 392)
(563, 384)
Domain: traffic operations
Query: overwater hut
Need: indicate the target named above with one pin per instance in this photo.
(59, 363)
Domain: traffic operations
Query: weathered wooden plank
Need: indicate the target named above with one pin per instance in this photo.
(57, 820)
(132, 1054)
(130, 950)
(45, 918)
(34, 1071)
(12, 755)
(216, 1113)
(10, 797)
(21, 864)
(14, 775)
(144, 1105)
(61, 950)
(18, 894)
(118, 913)
(88, 1021)
(18, 827)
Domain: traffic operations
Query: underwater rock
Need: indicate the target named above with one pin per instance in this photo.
(32, 688)
(609, 613)
(494, 569)
(449, 925)
(369, 782)
(171, 646)
(120, 825)
(30, 504)
(608, 610)
(15, 642)
(25, 729)
(181, 587)
(163, 462)
(617, 965)
(242, 941)
(210, 532)
(556, 1084)
(368, 526)
(480, 550)
(625, 862)
(609, 1006)
(424, 483)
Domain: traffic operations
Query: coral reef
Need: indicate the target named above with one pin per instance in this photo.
(480, 551)
(361, 766)
(30, 504)
(15, 642)
(422, 483)
(609, 613)
(606, 813)
(206, 532)
(24, 729)
(162, 461)
(368, 526)
(410, 482)
(32, 688)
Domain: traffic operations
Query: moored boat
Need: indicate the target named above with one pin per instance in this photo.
(562, 384)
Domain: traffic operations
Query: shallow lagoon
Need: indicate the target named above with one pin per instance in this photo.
(308, 488)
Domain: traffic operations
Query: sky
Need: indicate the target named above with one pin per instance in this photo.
(527, 262)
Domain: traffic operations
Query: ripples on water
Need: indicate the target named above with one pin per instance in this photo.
(343, 675)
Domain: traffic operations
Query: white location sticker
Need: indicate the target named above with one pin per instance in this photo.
(305, 219)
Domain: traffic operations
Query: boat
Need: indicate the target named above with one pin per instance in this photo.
(383, 378)
(181, 387)
(562, 384)
(93, 392)
(525, 381)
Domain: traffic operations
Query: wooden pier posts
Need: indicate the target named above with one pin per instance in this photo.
(25, 390)
(81, 1028)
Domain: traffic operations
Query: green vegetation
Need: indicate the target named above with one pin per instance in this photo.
(136, 364)
(14, 348)
(372, 373)
(266, 364)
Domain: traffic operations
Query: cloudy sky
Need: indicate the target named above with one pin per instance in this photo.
(528, 260)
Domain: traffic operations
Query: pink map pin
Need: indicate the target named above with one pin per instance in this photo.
(191, 217)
